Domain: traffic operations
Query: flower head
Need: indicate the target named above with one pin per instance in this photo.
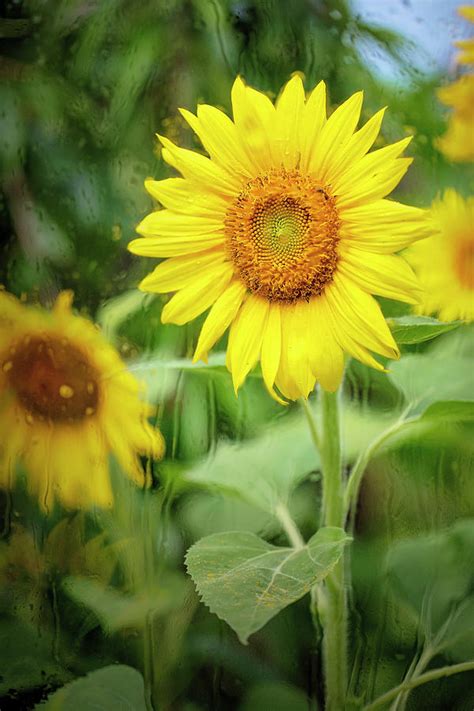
(457, 144)
(66, 401)
(445, 262)
(284, 233)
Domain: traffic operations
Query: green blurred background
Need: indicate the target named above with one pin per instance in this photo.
(84, 86)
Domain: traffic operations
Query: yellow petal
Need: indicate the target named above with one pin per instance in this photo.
(220, 316)
(220, 138)
(377, 186)
(191, 301)
(295, 378)
(175, 245)
(360, 316)
(254, 116)
(366, 171)
(289, 111)
(335, 134)
(271, 350)
(178, 272)
(325, 355)
(313, 120)
(176, 194)
(247, 334)
(199, 170)
(384, 226)
(356, 147)
(381, 274)
(165, 223)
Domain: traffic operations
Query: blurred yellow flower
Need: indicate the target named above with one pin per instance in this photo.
(457, 144)
(445, 262)
(66, 401)
(285, 233)
(467, 45)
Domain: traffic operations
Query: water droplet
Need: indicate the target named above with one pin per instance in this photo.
(90, 410)
(8, 365)
(90, 388)
(66, 391)
(29, 418)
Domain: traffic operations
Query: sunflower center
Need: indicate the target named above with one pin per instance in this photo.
(52, 379)
(465, 263)
(282, 235)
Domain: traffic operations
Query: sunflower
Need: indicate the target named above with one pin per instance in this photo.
(467, 45)
(285, 232)
(445, 262)
(457, 144)
(66, 401)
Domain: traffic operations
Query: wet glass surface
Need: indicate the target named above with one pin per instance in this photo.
(97, 606)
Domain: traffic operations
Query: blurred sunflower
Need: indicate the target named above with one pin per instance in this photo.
(467, 45)
(285, 233)
(445, 262)
(66, 401)
(457, 144)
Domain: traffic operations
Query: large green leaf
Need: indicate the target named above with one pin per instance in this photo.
(247, 581)
(117, 687)
(265, 470)
(449, 410)
(417, 329)
(434, 576)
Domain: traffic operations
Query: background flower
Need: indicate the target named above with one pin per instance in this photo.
(66, 402)
(445, 262)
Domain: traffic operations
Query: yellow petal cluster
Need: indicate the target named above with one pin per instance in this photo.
(283, 235)
(66, 403)
(445, 262)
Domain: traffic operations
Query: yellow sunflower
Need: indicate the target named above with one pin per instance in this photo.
(467, 45)
(457, 144)
(445, 262)
(66, 401)
(285, 232)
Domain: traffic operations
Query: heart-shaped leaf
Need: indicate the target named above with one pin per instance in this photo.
(247, 581)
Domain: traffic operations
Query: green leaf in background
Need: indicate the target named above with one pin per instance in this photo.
(434, 576)
(247, 581)
(451, 410)
(116, 610)
(425, 379)
(265, 471)
(117, 687)
(276, 696)
(417, 329)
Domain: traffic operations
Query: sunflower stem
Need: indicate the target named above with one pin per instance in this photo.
(331, 596)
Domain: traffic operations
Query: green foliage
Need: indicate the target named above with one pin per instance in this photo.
(117, 687)
(117, 611)
(434, 576)
(246, 581)
(428, 379)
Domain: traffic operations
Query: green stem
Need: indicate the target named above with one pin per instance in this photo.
(311, 423)
(148, 627)
(353, 484)
(431, 675)
(332, 594)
